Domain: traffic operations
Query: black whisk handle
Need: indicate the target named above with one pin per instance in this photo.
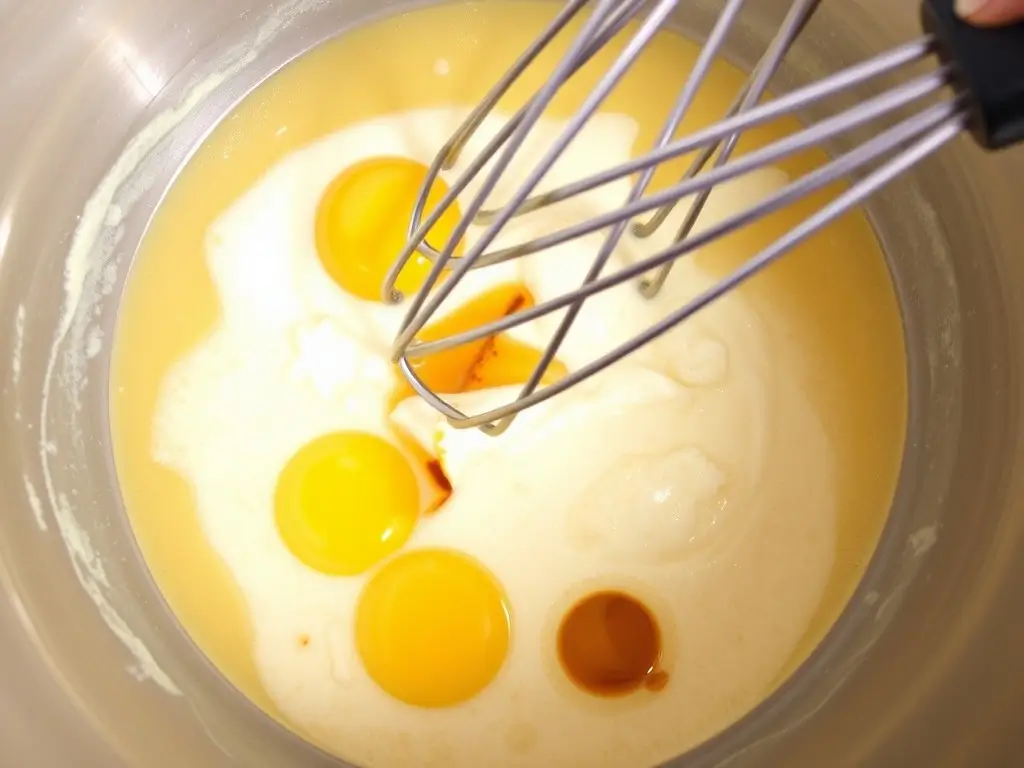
(988, 65)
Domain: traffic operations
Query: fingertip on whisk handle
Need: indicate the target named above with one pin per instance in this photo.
(988, 65)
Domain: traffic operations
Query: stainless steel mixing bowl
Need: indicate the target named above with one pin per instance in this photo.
(926, 667)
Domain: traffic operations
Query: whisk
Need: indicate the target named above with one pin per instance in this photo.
(983, 70)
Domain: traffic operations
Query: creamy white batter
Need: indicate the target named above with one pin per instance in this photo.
(695, 474)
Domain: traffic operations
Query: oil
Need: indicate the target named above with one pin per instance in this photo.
(832, 296)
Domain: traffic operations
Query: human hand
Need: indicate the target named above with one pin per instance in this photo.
(991, 12)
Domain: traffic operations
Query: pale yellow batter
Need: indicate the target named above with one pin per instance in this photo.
(831, 298)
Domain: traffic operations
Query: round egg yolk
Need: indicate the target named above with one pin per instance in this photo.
(609, 645)
(345, 501)
(362, 225)
(432, 627)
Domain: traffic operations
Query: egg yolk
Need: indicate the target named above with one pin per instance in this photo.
(362, 225)
(494, 361)
(610, 645)
(345, 501)
(432, 627)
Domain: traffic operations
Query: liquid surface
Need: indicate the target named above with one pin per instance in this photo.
(828, 307)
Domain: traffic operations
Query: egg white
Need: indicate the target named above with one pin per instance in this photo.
(570, 499)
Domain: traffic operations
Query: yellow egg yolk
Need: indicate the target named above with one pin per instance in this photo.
(362, 224)
(345, 501)
(494, 361)
(432, 627)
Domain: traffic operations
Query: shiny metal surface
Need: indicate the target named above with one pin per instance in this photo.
(924, 668)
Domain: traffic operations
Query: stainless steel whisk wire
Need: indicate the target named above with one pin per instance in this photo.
(901, 147)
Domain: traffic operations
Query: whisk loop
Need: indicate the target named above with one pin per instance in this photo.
(879, 160)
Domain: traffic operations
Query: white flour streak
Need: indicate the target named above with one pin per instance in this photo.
(36, 504)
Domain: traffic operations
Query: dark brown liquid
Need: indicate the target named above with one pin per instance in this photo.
(609, 645)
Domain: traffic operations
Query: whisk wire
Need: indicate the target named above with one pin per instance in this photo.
(454, 146)
(798, 16)
(689, 93)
